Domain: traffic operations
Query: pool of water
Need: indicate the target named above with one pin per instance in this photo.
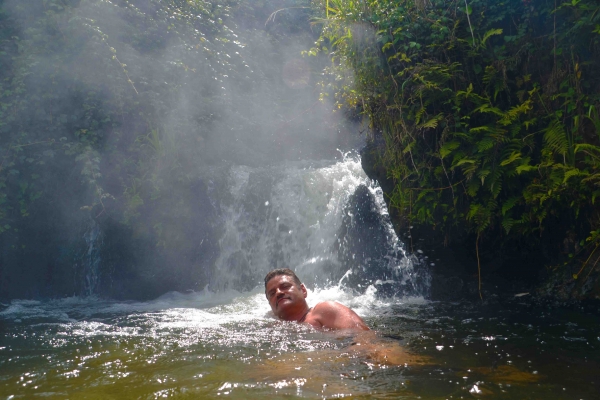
(207, 345)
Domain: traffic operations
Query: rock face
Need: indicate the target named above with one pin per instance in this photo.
(363, 238)
(453, 263)
(573, 281)
(178, 255)
(372, 252)
(83, 255)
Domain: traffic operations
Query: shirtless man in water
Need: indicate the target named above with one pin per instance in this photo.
(287, 297)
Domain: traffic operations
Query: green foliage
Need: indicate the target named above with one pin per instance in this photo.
(118, 100)
(490, 119)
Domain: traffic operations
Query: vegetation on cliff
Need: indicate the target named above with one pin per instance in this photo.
(489, 111)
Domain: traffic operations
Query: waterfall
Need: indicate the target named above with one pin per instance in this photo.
(326, 220)
(89, 260)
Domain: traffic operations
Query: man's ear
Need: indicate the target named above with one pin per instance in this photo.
(304, 291)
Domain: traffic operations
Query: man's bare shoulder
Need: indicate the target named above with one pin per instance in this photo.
(334, 315)
(329, 306)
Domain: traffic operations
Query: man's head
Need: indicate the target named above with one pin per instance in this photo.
(286, 294)
(281, 271)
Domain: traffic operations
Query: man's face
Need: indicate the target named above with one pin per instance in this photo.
(285, 297)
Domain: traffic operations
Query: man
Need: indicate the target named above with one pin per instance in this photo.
(287, 298)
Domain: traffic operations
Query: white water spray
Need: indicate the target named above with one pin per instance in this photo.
(302, 216)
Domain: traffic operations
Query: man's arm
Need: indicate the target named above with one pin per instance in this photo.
(333, 315)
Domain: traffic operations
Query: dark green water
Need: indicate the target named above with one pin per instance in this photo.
(212, 346)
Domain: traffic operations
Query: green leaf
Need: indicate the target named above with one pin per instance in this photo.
(431, 123)
(485, 144)
(464, 161)
(489, 34)
(515, 155)
(555, 137)
(572, 172)
(507, 224)
(509, 204)
(448, 147)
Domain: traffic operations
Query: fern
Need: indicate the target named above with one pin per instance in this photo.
(448, 147)
(594, 179)
(525, 166)
(556, 138)
(482, 174)
(431, 123)
(509, 204)
(495, 182)
(514, 156)
(473, 187)
(484, 128)
(590, 149)
(511, 115)
(485, 144)
(570, 173)
(489, 34)
(489, 75)
(487, 108)
(507, 224)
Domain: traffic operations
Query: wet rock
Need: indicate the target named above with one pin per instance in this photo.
(447, 288)
(363, 238)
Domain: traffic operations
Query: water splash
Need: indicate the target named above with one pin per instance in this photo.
(309, 216)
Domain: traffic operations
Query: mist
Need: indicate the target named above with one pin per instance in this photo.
(121, 123)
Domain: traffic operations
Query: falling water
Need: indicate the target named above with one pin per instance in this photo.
(327, 220)
(89, 260)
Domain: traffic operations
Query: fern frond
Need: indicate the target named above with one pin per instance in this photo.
(557, 176)
(573, 172)
(485, 143)
(478, 129)
(469, 170)
(524, 166)
(489, 34)
(529, 123)
(431, 123)
(556, 137)
(595, 178)
(419, 115)
(507, 224)
(464, 161)
(495, 182)
(482, 174)
(448, 147)
(509, 204)
(488, 109)
(473, 187)
(513, 114)
(590, 149)
(514, 156)
(489, 75)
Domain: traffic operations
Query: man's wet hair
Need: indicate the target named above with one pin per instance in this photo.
(281, 271)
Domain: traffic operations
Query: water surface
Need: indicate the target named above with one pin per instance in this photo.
(207, 345)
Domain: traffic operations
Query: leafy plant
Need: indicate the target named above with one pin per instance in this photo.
(488, 110)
